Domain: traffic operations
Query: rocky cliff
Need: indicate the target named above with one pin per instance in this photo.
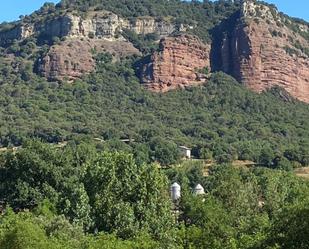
(18, 32)
(179, 63)
(258, 45)
(96, 24)
(73, 58)
(148, 25)
(98, 29)
(264, 51)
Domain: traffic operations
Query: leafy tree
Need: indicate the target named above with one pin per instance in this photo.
(290, 229)
(24, 235)
(38, 172)
(207, 219)
(166, 152)
(127, 198)
(266, 157)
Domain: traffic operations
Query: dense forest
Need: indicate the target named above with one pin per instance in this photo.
(81, 197)
(220, 120)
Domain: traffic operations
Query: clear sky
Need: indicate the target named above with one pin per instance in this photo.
(294, 8)
(11, 9)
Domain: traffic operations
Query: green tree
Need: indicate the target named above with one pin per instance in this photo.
(127, 198)
(38, 172)
(18, 231)
(290, 229)
(165, 152)
(209, 224)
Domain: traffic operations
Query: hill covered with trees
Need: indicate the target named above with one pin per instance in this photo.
(88, 163)
(219, 119)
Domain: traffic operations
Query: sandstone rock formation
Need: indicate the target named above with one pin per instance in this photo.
(263, 52)
(18, 32)
(102, 25)
(73, 58)
(97, 24)
(177, 64)
(148, 25)
(261, 49)
(100, 29)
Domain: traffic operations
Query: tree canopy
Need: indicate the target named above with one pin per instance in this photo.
(79, 197)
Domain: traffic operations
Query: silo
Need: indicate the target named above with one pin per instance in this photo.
(175, 191)
(199, 190)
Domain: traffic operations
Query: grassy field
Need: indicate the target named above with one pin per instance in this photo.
(206, 165)
(302, 172)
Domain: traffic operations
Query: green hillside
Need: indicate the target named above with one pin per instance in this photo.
(89, 164)
(222, 118)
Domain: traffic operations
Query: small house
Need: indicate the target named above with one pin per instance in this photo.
(185, 152)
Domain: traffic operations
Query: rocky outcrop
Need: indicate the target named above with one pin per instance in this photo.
(73, 58)
(263, 52)
(148, 25)
(99, 29)
(18, 32)
(260, 47)
(101, 25)
(97, 24)
(178, 64)
(108, 25)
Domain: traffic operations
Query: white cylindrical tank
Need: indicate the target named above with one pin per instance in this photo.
(175, 191)
(199, 190)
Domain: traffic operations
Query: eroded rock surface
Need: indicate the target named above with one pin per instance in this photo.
(261, 49)
(74, 58)
(178, 64)
(97, 24)
(18, 32)
(263, 52)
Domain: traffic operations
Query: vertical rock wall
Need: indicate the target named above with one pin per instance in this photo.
(261, 53)
(177, 64)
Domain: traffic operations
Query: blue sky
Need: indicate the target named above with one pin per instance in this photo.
(294, 8)
(12, 9)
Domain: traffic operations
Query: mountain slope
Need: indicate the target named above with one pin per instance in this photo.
(249, 40)
(104, 52)
(266, 48)
(221, 116)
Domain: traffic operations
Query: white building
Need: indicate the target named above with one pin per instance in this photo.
(185, 152)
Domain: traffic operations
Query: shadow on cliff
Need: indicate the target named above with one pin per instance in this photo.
(220, 33)
(143, 68)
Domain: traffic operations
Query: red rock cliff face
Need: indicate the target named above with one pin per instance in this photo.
(177, 64)
(73, 58)
(261, 54)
